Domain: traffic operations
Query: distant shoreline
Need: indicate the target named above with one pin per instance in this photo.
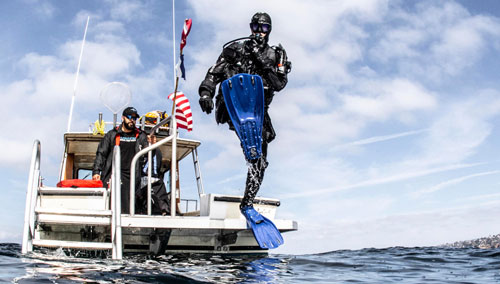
(482, 243)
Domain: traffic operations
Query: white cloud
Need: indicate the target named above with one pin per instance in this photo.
(463, 43)
(402, 42)
(149, 87)
(129, 10)
(315, 112)
(36, 64)
(49, 86)
(416, 229)
(451, 182)
(107, 59)
(322, 42)
(460, 129)
(434, 40)
(106, 29)
(380, 100)
(377, 139)
(42, 8)
(404, 174)
(80, 19)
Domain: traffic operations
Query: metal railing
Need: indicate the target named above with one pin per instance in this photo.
(132, 176)
(116, 208)
(188, 201)
(173, 167)
(31, 195)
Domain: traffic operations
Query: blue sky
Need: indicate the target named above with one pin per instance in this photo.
(387, 131)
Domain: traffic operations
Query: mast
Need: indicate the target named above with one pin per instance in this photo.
(173, 40)
(76, 77)
(173, 166)
(62, 170)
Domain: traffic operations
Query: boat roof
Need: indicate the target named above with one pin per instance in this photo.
(83, 147)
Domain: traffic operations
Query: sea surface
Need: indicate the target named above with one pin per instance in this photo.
(391, 265)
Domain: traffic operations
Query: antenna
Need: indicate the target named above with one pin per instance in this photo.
(62, 169)
(76, 77)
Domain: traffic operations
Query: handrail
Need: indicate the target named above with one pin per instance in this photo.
(152, 131)
(173, 164)
(132, 168)
(116, 229)
(159, 124)
(31, 194)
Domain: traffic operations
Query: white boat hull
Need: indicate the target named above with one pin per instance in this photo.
(80, 219)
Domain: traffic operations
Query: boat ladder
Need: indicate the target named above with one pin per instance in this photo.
(69, 206)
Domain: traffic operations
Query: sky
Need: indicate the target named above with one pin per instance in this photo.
(387, 132)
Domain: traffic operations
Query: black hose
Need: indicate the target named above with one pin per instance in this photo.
(229, 42)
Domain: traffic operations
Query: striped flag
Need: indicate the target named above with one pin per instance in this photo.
(185, 33)
(183, 113)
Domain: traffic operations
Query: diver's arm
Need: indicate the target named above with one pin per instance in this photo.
(275, 67)
(215, 75)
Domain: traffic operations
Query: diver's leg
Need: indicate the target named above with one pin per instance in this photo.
(255, 177)
(256, 169)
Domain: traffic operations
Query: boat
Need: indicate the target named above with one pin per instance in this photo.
(87, 219)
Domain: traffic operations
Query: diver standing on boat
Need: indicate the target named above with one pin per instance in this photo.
(131, 140)
(251, 55)
(159, 195)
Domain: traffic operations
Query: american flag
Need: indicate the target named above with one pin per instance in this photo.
(185, 33)
(183, 113)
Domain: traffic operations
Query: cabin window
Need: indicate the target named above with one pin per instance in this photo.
(84, 174)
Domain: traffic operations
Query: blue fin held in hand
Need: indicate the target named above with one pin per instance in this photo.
(244, 98)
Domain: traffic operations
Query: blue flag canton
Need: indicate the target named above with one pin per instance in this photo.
(183, 70)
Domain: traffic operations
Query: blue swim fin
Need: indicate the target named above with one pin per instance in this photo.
(244, 98)
(265, 232)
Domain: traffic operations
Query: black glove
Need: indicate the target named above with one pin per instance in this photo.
(206, 102)
(253, 45)
(259, 40)
(256, 48)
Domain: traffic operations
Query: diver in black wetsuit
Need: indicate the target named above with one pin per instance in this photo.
(251, 55)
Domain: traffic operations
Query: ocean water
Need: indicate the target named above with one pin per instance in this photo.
(391, 265)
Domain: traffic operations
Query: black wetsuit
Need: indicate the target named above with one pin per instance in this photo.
(159, 195)
(250, 57)
(130, 144)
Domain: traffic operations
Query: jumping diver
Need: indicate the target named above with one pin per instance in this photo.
(251, 55)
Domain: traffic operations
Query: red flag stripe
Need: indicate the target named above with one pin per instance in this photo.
(185, 32)
(186, 116)
(183, 113)
(185, 110)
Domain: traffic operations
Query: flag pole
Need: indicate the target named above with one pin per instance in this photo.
(173, 39)
(173, 166)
